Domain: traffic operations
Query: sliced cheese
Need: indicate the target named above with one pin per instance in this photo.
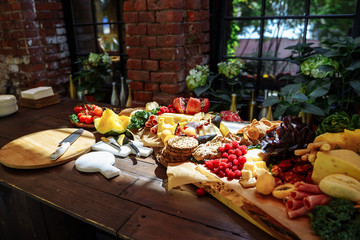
(336, 161)
(251, 166)
(247, 183)
(246, 174)
(255, 155)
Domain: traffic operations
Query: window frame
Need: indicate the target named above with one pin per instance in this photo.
(71, 33)
(219, 22)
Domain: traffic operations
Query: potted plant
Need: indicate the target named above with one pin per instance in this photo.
(201, 80)
(94, 69)
(329, 79)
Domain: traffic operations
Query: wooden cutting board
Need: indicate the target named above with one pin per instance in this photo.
(32, 151)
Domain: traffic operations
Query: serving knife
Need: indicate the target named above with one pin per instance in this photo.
(65, 144)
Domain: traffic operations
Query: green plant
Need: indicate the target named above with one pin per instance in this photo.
(329, 79)
(229, 74)
(91, 75)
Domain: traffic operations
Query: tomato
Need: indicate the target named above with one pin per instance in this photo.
(88, 119)
(78, 109)
(98, 111)
(82, 118)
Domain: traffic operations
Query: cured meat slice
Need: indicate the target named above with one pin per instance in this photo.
(292, 204)
(319, 199)
(299, 194)
(307, 187)
(298, 212)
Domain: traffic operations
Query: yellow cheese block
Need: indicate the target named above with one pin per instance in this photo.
(169, 121)
(256, 155)
(346, 140)
(336, 161)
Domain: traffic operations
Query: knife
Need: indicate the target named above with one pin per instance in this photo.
(65, 144)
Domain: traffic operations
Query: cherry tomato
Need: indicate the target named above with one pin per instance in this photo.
(98, 111)
(88, 119)
(78, 109)
(82, 118)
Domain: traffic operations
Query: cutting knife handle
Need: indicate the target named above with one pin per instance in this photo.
(60, 151)
(132, 145)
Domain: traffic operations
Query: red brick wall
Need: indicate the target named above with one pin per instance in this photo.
(165, 39)
(33, 45)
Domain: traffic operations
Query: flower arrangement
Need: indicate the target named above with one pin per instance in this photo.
(91, 75)
(197, 77)
(201, 80)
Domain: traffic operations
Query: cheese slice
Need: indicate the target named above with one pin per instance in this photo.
(336, 161)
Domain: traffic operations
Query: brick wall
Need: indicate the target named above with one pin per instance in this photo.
(33, 45)
(164, 40)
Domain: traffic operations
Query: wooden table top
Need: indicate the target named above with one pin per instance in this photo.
(134, 205)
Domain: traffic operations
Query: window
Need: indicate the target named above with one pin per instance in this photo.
(258, 31)
(96, 26)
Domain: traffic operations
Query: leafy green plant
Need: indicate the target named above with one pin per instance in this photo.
(329, 79)
(91, 75)
(229, 75)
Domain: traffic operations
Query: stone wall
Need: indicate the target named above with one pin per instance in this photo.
(164, 40)
(33, 45)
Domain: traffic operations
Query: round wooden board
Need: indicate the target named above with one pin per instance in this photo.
(32, 151)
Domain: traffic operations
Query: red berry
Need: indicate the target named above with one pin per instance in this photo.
(170, 106)
(221, 149)
(232, 157)
(234, 168)
(227, 147)
(235, 144)
(243, 149)
(231, 151)
(242, 160)
(231, 174)
(223, 165)
(209, 165)
(200, 192)
(238, 152)
(159, 113)
(221, 173)
(225, 155)
(235, 162)
(216, 163)
(238, 174)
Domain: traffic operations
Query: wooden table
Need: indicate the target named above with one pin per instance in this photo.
(62, 203)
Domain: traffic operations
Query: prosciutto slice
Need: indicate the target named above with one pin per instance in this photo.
(299, 195)
(298, 212)
(292, 204)
(307, 187)
(320, 199)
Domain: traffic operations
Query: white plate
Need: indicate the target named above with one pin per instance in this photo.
(8, 111)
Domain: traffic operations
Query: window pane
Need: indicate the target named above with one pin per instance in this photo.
(322, 29)
(108, 38)
(275, 69)
(332, 7)
(279, 34)
(84, 15)
(85, 39)
(105, 11)
(243, 38)
(284, 7)
(245, 8)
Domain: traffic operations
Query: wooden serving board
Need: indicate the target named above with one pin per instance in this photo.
(32, 151)
(265, 212)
